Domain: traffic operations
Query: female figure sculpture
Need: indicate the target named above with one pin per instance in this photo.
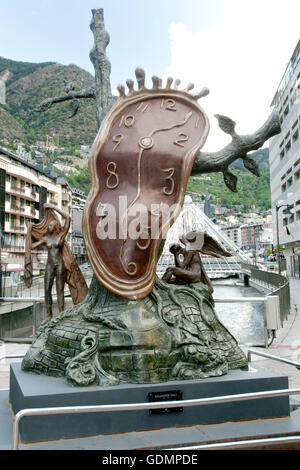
(60, 262)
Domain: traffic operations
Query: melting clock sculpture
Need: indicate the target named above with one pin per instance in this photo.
(138, 328)
(140, 164)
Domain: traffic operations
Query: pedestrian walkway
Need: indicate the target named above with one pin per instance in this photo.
(287, 341)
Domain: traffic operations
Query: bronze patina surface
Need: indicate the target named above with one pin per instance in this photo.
(146, 148)
(142, 158)
(61, 264)
(188, 264)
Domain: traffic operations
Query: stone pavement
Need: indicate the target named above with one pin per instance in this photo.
(287, 342)
(286, 345)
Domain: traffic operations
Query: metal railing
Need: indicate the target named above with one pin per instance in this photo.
(271, 356)
(267, 309)
(244, 444)
(141, 406)
(11, 356)
(171, 404)
(276, 283)
(38, 314)
(40, 300)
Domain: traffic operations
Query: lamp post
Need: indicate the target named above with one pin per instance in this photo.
(277, 229)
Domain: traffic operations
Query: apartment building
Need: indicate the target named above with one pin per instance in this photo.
(24, 189)
(284, 159)
(78, 203)
(233, 232)
(250, 236)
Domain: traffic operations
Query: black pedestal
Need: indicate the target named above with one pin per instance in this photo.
(28, 390)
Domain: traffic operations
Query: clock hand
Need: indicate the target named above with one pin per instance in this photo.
(145, 143)
(179, 124)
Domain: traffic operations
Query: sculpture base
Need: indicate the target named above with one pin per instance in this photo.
(173, 334)
(29, 390)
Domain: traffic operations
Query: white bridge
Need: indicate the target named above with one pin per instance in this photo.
(193, 218)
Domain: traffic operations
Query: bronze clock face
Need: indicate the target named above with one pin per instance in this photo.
(140, 164)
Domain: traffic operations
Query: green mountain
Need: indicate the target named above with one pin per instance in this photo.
(28, 84)
(10, 128)
(261, 156)
(251, 190)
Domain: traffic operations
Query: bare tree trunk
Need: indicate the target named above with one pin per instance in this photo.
(103, 95)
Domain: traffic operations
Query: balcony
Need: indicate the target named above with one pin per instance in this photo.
(34, 212)
(14, 207)
(17, 228)
(13, 248)
(16, 189)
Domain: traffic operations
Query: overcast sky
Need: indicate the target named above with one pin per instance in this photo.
(237, 48)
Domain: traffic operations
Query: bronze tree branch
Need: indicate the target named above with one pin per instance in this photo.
(239, 147)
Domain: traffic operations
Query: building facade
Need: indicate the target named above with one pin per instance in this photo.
(250, 236)
(284, 159)
(233, 232)
(78, 203)
(24, 189)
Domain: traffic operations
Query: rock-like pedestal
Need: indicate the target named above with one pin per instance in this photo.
(29, 390)
(108, 350)
(172, 334)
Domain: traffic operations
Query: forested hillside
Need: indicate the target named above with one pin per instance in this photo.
(29, 84)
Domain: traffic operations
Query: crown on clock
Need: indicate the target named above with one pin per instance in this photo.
(157, 86)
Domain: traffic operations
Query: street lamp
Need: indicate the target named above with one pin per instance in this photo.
(288, 212)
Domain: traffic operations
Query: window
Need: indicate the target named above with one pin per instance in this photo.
(286, 111)
(297, 162)
(295, 136)
(297, 176)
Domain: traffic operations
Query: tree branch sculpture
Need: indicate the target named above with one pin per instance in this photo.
(239, 147)
(100, 90)
(205, 162)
